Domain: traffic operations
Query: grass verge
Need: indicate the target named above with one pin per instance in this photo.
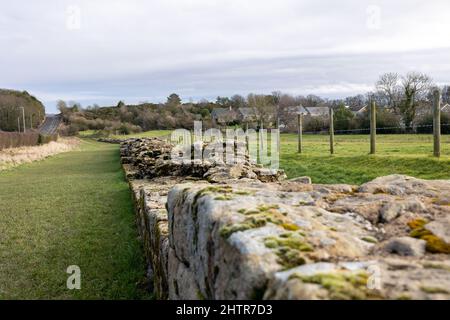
(74, 208)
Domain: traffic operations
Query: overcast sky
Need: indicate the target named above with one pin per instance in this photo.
(102, 51)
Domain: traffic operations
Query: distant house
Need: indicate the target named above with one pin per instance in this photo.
(446, 108)
(359, 111)
(253, 116)
(247, 115)
(295, 110)
(317, 111)
(223, 116)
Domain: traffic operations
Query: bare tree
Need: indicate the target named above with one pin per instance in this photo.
(312, 101)
(388, 85)
(238, 101)
(262, 106)
(446, 94)
(404, 93)
(415, 86)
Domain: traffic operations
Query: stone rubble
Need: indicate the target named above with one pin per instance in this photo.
(152, 158)
(213, 231)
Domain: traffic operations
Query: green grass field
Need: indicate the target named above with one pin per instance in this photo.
(72, 209)
(351, 163)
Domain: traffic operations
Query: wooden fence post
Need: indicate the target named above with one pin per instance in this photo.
(246, 139)
(300, 132)
(331, 131)
(437, 123)
(373, 127)
(278, 134)
(261, 142)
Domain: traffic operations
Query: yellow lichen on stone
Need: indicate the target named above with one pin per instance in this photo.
(434, 243)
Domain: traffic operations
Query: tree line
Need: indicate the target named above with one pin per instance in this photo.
(12, 115)
(404, 102)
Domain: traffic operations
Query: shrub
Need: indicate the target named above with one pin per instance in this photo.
(69, 130)
(43, 138)
(387, 122)
(16, 139)
(425, 124)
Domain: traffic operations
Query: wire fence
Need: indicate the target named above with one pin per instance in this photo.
(400, 129)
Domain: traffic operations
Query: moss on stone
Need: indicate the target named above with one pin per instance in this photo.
(226, 192)
(289, 258)
(289, 248)
(293, 242)
(430, 265)
(433, 290)
(303, 203)
(259, 217)
(434, 243)
(370, 239)
(248, 224)
(341, 285)
(200, 296)
(244, 192)
(290, 226)
(248, 212)
(267, 207)
(224, 197)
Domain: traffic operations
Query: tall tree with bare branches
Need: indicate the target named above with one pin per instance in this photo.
(404, 92)
(415, 87)
(388, 85)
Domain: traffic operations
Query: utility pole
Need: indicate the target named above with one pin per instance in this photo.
(23, 114)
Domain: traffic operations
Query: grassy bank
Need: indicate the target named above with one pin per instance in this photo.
(71, 209)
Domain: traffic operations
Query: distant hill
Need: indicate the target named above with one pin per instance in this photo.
(10, 111)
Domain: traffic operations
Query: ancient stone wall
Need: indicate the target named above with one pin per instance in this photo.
(218, 232)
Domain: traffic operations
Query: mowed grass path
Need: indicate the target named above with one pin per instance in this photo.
(404, 154)
(71, 209)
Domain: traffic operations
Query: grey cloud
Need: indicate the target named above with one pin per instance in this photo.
(143, 50)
